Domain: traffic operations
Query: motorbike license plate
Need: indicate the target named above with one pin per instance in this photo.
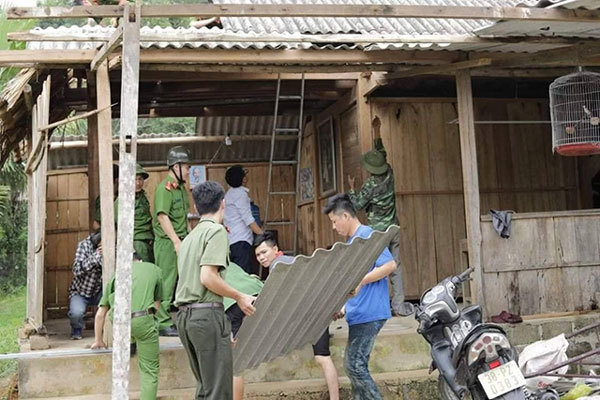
(501, 380)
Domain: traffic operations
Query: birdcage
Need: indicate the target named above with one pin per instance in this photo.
(575, 114)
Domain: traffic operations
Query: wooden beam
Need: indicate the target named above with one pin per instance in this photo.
(314, 10)
(225, 56)
(92, 150)
(268, 69)
(204, 36)
(78, 144)
(437, 69)
(107, 48)
(363, 116)
(583, 54)
(72, 118)
(36, 248)
(105, 161)
(127, 165)
(343, 104)
(468, 151)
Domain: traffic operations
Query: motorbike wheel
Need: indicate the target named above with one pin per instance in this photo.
(447, 394)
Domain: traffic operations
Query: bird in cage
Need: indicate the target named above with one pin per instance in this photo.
(570, 130)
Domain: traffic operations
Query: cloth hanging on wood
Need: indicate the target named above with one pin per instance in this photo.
(501, 221)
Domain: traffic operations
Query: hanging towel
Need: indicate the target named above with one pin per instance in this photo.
(501, 222)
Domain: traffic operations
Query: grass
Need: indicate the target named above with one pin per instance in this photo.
(12, 313)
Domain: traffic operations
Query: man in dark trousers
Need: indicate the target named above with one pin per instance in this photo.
(377, 196)
(201, 322)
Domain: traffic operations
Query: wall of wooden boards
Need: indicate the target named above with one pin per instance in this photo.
(517, 171)
(67, 217)
(550, 263)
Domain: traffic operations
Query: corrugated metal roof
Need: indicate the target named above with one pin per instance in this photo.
(202, 152)
(551, 29)
(253, 28)
(299, 299)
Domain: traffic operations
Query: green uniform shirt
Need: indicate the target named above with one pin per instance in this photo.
(207, 244)
(145, 288)
(378, 198)
(240, 280)
(142, 220)
(172, 202)
(98, 213)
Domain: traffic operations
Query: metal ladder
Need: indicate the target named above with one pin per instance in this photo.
(270, 191)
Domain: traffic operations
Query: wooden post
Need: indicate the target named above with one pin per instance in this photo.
(105, 168)
(129, 115)
(468, 151)
(92, 146)
(36, 188)
(363, 116)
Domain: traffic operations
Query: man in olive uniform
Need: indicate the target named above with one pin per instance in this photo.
(143, 234)
(145, 299)
(171, 205)
(203, 328)
(378, 198)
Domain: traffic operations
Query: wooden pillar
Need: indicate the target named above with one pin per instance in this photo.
(36, 188)
(105, 168)
(127, 163)
(92, 143)
(363, 116)
(468, 151)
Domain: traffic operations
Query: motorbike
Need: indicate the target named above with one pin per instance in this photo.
(475, 360)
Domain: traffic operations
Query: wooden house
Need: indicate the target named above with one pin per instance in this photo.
(459, 95)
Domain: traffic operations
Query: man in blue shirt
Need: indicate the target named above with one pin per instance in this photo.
(368, 309)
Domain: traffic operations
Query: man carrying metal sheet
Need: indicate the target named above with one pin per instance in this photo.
(203, 328)
(368, 310)
(171, 205)
(145, 300)
(378, 198)
(268, 255)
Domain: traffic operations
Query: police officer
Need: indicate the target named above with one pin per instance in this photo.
(143, 235)
(97, 216)
(378, 198)
(171, 205)
(145, 300)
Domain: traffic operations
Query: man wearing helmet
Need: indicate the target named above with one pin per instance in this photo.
(171, 205)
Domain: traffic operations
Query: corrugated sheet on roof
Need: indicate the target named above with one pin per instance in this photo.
(253, 28)
(299, 299)
(202, 152)
(551, 29)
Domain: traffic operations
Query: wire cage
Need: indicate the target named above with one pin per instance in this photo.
(575, 114)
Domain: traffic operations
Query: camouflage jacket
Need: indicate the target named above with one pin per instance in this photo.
(378, 198)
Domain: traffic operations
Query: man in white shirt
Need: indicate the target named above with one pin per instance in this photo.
(238, 218)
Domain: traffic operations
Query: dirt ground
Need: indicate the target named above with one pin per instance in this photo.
(8, 388)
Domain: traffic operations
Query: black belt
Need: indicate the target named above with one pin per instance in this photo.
(191, 306)
(142, 313)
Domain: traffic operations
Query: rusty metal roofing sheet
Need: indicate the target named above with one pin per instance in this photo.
(299, 299)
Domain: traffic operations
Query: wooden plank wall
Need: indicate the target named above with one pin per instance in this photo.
(549, 264)
(67, 218)
(517, 171)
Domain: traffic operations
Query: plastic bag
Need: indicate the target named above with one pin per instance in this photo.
(580, 390)
(543, 354)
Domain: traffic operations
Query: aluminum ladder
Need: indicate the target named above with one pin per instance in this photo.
(271, 191)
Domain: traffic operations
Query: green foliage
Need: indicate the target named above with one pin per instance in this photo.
(13, 226)
(12, 310)
(6, 27)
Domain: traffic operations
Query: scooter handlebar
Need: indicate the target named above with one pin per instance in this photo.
(465, 275)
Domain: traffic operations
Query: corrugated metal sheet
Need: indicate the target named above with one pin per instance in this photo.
(253, 28)
(299, 299)
(542, 28)
(202, 152)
